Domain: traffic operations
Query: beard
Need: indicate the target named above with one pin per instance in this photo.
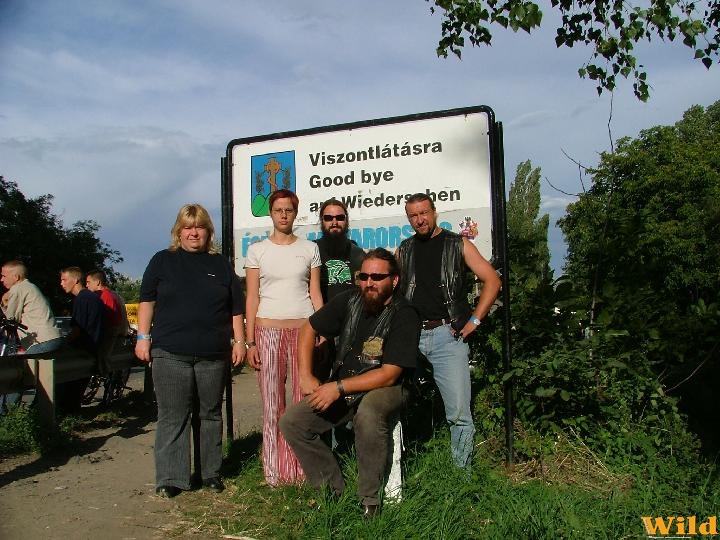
(374, 298)
(335, 242)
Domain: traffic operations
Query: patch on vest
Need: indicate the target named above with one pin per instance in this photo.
(372, 351)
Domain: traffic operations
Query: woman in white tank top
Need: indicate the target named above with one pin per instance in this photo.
(282, 274)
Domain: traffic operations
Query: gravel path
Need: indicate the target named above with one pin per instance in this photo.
(104, 488)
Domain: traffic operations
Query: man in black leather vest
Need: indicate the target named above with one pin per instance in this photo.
(433, 265)
(378, 345)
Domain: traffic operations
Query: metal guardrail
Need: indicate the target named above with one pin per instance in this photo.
(45, 371)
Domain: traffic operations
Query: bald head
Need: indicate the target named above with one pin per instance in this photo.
(13, 272)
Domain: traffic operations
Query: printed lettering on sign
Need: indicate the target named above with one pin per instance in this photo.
(372, 167)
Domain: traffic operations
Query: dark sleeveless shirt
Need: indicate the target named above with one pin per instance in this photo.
(428, 297)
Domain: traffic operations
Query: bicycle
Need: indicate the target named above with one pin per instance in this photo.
(9, 336)
(10, 346)
(114, 383)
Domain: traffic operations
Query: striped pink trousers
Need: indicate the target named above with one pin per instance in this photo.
(277, 349)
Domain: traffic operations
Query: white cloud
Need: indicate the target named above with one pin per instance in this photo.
(555, 205)
(122, 110)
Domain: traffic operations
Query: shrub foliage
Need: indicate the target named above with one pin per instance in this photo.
(623, 347)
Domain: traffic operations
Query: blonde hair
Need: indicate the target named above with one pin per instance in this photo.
(73, 271)
(191, 215)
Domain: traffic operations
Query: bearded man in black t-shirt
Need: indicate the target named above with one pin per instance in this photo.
(341, 259)
(378, 343)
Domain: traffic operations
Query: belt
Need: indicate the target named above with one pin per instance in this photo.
(434, 323)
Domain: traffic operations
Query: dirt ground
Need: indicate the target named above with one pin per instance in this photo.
(104, 487)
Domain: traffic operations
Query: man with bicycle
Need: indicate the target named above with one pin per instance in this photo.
(27, 305)
(115, 323)
(24, 303)
(86, 327)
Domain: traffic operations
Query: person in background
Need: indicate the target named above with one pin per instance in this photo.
(115, 322)
(190, 325)
(341, 259)
(86, 327)
(434, 263)
(24, 303)
(282, 275)
(378, 341)
(27, 305)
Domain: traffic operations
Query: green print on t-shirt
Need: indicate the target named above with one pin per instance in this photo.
(338, 272)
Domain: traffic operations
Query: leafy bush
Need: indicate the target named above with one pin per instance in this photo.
(20, 431)
(597, 382)
(615, 348)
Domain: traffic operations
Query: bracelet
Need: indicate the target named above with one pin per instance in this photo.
(474, 320)
(340, 388)
(142, 337)
(249, 344)
(234, 342)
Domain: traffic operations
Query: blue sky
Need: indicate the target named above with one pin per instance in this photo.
(122, 109)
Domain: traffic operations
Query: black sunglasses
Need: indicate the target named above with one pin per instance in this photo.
(364, 276)
(329, 217)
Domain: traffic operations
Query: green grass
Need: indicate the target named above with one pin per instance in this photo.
(569, 495)
(562, 490)
(22, 430)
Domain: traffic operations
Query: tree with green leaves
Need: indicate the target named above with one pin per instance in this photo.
(610, 29)
(530, 276)
(651, 217)
(31, 233)
(636, 317)
(127, 288)
(532, 297)
(643, 257)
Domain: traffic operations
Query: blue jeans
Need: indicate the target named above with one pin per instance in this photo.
(177, 378)
(50, 345)
(451, 371)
